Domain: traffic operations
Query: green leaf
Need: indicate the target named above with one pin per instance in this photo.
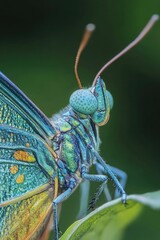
(110, 220)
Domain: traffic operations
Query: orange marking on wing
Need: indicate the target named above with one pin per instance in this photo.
(24, 156)
(20, 179)
(27, 145)
(14, 169)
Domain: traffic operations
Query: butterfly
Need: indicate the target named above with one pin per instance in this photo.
(42, 161)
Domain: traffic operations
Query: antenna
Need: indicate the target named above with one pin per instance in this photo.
(142, 34)
(87, 34)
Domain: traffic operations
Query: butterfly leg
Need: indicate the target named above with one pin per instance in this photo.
(100, 170)
(109, 172)
(59, 199)
(122, 176)
(84, 198)
(122, 179)
(95, 178)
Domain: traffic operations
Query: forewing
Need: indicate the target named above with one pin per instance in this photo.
(17, 110)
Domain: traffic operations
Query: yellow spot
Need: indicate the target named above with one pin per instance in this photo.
(27, 145)
(14, 169)
(20, 179)
(24, 156)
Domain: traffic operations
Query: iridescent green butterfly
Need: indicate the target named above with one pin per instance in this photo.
(42, 161)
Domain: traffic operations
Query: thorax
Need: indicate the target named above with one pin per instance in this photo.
(75, 133)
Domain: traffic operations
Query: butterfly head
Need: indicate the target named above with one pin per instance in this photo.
(95, 101)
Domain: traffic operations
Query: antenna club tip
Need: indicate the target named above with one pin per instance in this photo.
(90, 27)
(155, 17)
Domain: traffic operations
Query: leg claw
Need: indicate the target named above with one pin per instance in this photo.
(124, 198)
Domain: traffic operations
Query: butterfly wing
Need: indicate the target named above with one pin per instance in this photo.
(26, 219)
(26, 195)
(27, 163)
(17, 110)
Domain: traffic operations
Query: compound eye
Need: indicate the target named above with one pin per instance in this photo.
(110, 98)
(83, 101)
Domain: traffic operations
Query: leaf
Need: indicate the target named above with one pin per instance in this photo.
(110, 220)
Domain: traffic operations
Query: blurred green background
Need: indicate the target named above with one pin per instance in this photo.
(38, 44)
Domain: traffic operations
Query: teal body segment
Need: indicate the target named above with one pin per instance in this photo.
(72, 149)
